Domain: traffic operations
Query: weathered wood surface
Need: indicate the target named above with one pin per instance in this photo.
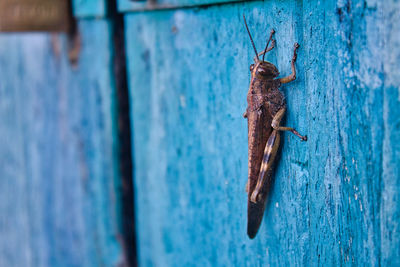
(90, 8)
(336, 198)
(59, 181)
(140, 5)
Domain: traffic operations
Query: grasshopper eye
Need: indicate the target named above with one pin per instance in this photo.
(251, 67)
(260, 71)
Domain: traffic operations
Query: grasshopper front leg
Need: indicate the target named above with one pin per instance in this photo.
(267, 49)
(273, 42)
(292, 76)
(270, 151)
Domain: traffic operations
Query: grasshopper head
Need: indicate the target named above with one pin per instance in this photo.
(264, 69)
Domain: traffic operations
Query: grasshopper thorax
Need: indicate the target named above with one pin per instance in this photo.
(264, 70)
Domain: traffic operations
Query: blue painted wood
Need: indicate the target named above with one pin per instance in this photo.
(59, 185)
(89, 8)
(140, 5)
(335, 198)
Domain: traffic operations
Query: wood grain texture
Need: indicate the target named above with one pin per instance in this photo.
(59, 186)
(89, 8)
(336, 198)
(141, 5)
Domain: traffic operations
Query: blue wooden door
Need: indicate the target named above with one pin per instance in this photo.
(335, 200)
(60, 182)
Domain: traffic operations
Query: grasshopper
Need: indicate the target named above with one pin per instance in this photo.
(266, 107)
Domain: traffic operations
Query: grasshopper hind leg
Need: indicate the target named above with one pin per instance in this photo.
(292, 130)
(277, 127)
(270, 152)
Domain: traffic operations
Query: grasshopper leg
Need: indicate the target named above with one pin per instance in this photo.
(267, 49)
(303, 138)
(276, 125)
(273, 42)
(292, 76)
(270, 151)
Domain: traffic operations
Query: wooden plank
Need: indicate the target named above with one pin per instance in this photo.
(59, 186)
(89, 8)
(334, 198)
(129, 5)
(388, 38)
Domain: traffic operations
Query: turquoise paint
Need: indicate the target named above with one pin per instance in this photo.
(336, 198)
(129, 5)
(59, 186)
(89, 8)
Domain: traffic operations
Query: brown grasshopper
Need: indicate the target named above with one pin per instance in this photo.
(265, 109)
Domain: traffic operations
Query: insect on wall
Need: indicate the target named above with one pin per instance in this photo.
(266, 108)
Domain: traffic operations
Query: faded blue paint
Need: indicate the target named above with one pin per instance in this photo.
(336, 198)
(89, 8)
(130, 5)
(59, 186)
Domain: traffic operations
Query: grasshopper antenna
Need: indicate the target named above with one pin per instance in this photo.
(266, 47)
(251, 39)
